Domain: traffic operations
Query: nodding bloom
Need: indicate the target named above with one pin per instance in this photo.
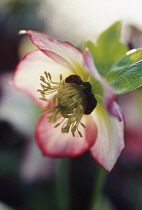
(79, 111)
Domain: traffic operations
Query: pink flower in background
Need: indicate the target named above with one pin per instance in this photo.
(79, 109)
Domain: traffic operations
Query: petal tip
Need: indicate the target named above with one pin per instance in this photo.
(22, 32)
(86, 49)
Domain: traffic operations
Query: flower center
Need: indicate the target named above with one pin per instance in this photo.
(72, 98)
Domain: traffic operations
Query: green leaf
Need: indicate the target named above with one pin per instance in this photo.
(108, 48)
(126, 74)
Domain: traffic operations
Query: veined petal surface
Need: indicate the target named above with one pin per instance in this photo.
(62, 52)
(54, 143)
(110, 138)
(28, 72)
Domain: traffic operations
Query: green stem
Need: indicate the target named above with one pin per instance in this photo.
(62, 184)
(98, 188)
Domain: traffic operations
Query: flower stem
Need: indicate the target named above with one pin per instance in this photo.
(62, 184)
(98, 188)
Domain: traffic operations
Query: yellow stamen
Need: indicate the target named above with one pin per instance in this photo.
(69, 102)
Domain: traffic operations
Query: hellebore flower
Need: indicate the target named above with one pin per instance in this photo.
(79, 111)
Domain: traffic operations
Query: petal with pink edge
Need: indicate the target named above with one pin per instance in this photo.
(62, 52)
(110, 138)
(53, 143)
(28, 72)
(109, 95)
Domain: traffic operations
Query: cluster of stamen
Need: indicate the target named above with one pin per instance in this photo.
(69, 101)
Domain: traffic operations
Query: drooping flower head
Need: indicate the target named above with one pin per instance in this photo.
(79, 111)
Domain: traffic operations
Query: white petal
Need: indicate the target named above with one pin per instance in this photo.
(28, 72)
(110, 139)
(57, 50)
(54, 143)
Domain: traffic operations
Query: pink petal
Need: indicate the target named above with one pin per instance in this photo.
(110, 138)
(90, 64)
(28, 72)
(109, 95)
(115, 110)
(62, 52)
(53, 143)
